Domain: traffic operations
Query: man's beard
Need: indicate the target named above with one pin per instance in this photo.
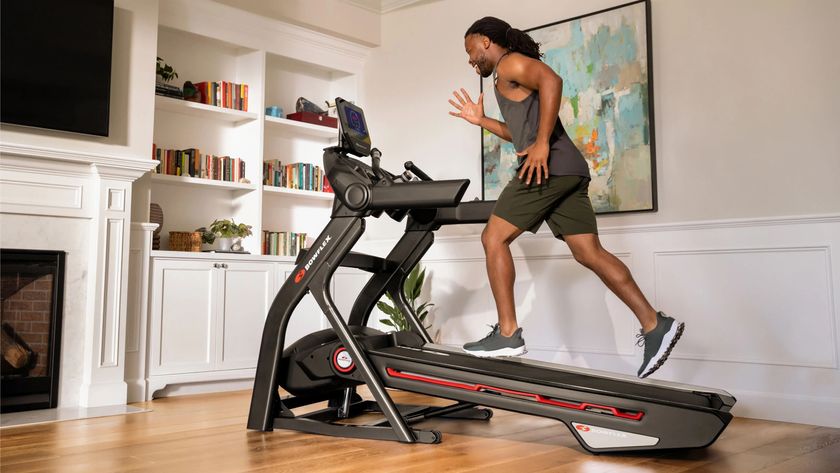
(484, 69)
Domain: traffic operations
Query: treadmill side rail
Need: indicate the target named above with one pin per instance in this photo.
(674, 426)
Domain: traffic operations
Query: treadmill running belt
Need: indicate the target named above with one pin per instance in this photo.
(515, 370)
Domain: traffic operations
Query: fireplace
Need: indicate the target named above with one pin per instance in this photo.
(30, 318)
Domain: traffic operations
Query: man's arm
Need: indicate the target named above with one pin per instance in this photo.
(474, 113)
(496, 127)
(536, 75)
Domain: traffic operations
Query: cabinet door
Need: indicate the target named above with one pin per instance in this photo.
(248, 290)
(182, 332)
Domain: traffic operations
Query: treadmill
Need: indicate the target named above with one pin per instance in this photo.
(606, 412)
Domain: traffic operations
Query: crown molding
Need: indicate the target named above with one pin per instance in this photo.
(391, 5)
(380, 6)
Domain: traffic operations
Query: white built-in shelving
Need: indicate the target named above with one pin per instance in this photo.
(205, 311)
(293, 128)
(328, 196)
(195, 181)
(245, 51)
(201, 110)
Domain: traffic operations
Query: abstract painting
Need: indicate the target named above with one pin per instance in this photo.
(607, 106)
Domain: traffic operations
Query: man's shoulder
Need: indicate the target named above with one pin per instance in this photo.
(513, 60)
(514, 64)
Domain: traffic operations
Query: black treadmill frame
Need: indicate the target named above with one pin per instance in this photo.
(313, 272)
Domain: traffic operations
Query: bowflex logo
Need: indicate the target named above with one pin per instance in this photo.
(300, 274)
(601, 431)
(600, 437)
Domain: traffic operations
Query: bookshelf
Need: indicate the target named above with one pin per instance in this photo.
(325, 196)
(274, 77)
(286, 79)
(292, 129)
(193, 109)
(195, 181)
(218, 301)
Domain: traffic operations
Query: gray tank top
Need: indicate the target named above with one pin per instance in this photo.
(523, 120)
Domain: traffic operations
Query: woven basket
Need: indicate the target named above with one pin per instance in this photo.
(185, 241)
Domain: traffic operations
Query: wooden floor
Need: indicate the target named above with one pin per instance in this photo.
(206, 433)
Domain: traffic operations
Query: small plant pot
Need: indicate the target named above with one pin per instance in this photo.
(224, 243)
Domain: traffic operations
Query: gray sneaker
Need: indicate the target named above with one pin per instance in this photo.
(658, 343)
(495, 344)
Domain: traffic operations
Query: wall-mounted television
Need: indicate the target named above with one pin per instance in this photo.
(56, 64)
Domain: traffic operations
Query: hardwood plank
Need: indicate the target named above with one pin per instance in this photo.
(207, 433)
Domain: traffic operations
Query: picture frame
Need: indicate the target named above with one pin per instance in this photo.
(607, 108)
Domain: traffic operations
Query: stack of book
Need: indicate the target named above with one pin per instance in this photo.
(168, 90)
(282, 243)
(222, 94)
(303, 176)
(190, 162)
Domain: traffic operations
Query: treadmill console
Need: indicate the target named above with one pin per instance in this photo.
(354, 130)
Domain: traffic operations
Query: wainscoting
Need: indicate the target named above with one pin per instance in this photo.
(757, 296)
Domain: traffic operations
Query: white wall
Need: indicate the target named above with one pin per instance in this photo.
(745, 100)
(744, 247)
(758, 297)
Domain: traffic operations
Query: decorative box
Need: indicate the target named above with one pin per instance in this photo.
(310, 117)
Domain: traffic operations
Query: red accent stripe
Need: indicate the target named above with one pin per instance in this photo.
(537, 397)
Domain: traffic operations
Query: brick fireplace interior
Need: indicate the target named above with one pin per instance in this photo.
(31, 290)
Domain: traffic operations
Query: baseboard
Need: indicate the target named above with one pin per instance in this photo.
(815, 410)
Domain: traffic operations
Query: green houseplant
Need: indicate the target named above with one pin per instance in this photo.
(226, 231)
(165, 71)
(412, 287)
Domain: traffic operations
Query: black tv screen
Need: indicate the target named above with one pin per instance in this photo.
(56, 64)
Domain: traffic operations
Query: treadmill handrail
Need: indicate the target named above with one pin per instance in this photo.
(477, 211)
(405, 195)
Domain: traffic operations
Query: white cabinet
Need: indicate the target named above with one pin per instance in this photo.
(184, 309)
(207, 313)
(248, 289)
(206, 318)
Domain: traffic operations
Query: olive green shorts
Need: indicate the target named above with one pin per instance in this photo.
(562, 202)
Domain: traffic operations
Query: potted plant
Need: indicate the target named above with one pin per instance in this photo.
(412, 287)
(228, 233)
(165, 72)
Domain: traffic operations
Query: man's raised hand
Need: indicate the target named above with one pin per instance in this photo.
(467, 109)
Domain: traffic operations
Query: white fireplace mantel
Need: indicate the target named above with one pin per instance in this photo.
(79, 203)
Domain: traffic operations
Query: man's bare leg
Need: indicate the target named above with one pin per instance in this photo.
(496, 238)
(587, 250)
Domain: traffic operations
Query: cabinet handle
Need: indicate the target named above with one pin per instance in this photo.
(224, 265)
(217, 265)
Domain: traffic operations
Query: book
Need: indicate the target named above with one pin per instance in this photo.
(191, 162)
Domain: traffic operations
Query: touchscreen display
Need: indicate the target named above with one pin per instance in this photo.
(354, 130)
(355, 121)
